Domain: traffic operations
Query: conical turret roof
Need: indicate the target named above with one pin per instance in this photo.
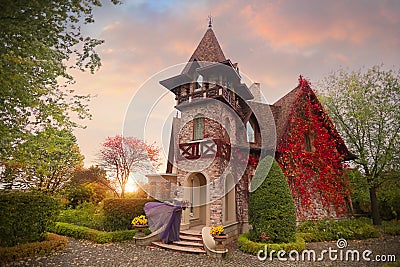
(208, 49)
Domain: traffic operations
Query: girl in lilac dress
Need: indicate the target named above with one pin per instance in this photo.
(164, 219)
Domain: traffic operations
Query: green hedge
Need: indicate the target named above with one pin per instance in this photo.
(330, 230)
(51, 243)
(25, 216)
(86, 214)
(118, 213)
(251, 247)
(81, 232)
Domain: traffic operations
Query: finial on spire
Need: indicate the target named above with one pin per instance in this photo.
(209, 21)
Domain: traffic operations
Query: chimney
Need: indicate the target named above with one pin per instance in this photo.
(256, 92)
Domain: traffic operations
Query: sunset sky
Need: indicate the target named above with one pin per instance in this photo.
(273, 42)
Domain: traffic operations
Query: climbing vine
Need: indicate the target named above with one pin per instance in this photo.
(309, 157)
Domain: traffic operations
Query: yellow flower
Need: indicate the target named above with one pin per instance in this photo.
(217, 230)
(139, 220)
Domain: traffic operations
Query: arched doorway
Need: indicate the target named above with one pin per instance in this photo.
(196, 193)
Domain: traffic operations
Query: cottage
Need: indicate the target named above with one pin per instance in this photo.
(224, 128)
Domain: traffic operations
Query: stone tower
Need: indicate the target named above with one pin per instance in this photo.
(209, 147)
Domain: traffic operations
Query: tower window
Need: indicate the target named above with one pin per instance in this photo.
(199, 83)
(198, 127)
(250, 133)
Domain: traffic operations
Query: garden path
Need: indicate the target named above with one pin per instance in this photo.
(85, 253)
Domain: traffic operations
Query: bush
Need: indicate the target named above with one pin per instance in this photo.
(86, 214)
(51, 243)
(271, 209)
(391, 227)
(25, 216)
(81, 232)
(251, 247)
(330, 230)
(388, 195)
(118, 213)
(78, 194)
(389, 200)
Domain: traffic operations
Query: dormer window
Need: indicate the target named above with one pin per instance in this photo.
(199, 83)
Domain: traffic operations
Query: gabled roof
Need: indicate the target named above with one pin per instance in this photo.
(287, 103)
(208, 49)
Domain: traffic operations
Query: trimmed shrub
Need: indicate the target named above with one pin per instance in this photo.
(51, 243)
(391, 227)
(86, 214)
(271, 209)
(118, 213)
(81, 232)
(123, 235)
(330, 230)
(251, 247)
(25, 216)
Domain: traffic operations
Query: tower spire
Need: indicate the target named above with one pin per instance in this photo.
(209, 21)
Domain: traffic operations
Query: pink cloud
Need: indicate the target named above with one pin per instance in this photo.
(289, 24)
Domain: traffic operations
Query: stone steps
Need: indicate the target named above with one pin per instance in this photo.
(191, 242)
(175, 247)
(187, 243)
(190, 238)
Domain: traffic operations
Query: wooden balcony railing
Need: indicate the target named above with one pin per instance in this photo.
(213, 92)
(205, 149)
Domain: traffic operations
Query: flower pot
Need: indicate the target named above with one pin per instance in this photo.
(220, 242)
(140, 228)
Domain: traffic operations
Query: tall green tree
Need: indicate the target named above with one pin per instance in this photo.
(39, 41)
(365, 108)
(46, 161)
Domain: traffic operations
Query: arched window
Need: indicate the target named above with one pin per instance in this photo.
(309, 142)
(229, 199)
(250, 133)
(198, 127)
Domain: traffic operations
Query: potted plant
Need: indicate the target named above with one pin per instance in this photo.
(139, 223)
(217, 232)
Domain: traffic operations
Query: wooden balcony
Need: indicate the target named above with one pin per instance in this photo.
(212, 92)
(205, 149)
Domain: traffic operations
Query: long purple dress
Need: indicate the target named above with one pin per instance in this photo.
(164, 219)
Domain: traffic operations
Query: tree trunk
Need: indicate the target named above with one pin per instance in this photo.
(122, 191)
(376, 218)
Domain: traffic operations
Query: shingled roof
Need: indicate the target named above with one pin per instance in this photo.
(282, 109)
(208, 49)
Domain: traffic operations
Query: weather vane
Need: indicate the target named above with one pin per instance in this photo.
(209, 21)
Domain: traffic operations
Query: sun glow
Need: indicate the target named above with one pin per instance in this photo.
(131, 187)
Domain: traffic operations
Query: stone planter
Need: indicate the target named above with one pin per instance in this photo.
(220, 242)
(140, 228)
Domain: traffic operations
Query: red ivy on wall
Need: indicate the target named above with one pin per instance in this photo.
(314, 170)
